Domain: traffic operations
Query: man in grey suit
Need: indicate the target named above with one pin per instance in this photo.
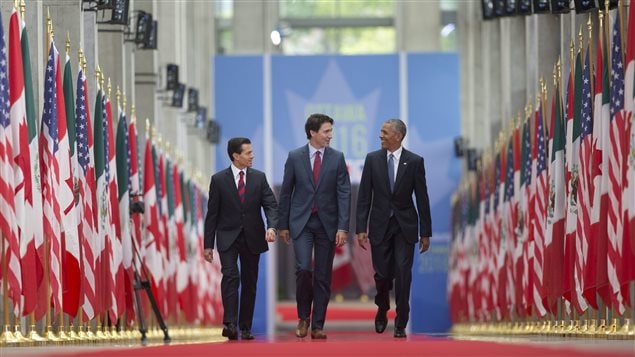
(389, 179)
(234, 222)
(314, 210)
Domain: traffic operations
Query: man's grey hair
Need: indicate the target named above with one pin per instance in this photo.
(398, 125)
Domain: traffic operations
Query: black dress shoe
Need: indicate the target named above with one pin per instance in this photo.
(246, 335)
(230, 332)
(381, 321)
(400, 333)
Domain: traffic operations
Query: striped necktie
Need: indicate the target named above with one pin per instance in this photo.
(391, 171)
(241, 187)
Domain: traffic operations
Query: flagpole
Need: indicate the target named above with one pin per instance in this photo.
(49, 335)
(6, 337)
(32, 334)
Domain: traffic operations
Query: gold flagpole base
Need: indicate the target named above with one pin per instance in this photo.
(50, 335)
(625, 332)
(89, 334)
(571, 329)
(584, 328)
(547, 328)
(7, 336)
(63, 336)
(601, 329)
(82, 335)
(592, 328)
(72, 335)
(34, 336)
(611, 331)
(17, 333)
(100, 334)
(122, 334)
(113, 333)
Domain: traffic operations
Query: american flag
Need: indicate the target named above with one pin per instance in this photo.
(49, 146)
(86, 218)
(616, 169)
(539, 221)
(526, 207)
(583, 239)
(496, 231)
(8, 222)
(629, 191)
(507, 244)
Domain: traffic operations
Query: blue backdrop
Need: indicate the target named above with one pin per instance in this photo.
(359, 92)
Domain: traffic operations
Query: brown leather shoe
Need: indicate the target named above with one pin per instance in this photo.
(318, 334)
(303, 328)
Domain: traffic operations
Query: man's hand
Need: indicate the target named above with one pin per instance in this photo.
(284, 235)
(340, 238)
(271, 235)
(362, 238)
(208, 254)
(424, 244)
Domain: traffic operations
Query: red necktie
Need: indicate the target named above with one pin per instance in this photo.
(317, 163)
(241, 187)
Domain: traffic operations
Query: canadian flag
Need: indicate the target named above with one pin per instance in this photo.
(342, 268)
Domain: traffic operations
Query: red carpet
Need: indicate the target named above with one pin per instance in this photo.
(351, 344)
(335, 312)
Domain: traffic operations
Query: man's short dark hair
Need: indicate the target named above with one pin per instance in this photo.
(398, 125)
(235, 146)
(314, 122)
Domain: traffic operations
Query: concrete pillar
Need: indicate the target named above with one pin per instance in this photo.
(145, 72)
(513, 94)
(110, 57)
(418, 26)
(547, 27)
(199, 151)
(468, 27)
(170, 46)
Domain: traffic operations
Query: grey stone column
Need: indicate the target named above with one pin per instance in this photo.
(418, 26)
(145, 74)
(169, 15)
(490, 94)
(249, 27)
(513, 94)
(199, 151)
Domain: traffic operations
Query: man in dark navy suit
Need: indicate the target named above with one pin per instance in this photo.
(314, 210)
(389, 179)
(234, 222)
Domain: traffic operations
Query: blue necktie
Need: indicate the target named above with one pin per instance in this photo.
(391, 171)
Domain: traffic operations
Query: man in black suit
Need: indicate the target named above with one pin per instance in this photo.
(234, 222)
(315, 200)
(389, 178)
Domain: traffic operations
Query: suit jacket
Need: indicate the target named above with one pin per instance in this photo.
(298, 192)
(375, 196)
(227, 217)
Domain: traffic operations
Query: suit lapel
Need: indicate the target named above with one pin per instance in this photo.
(401, 168)
(229, 176)
(249, 185)
(326, 162)
(383, 168)
(306, 160)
